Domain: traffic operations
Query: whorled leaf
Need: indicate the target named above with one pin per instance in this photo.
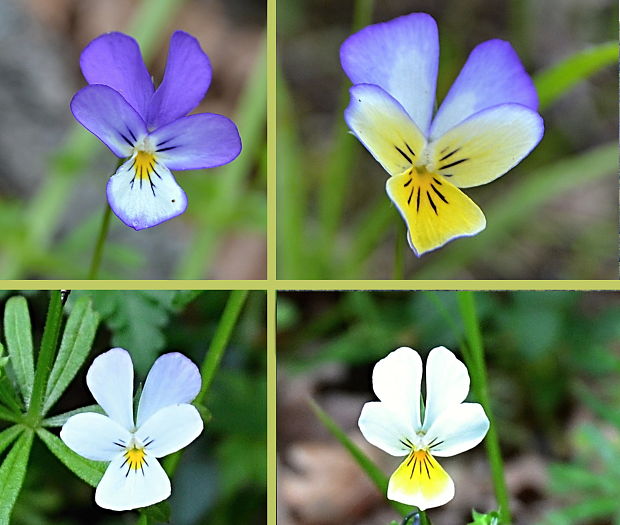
(12, 473)
(18, 334)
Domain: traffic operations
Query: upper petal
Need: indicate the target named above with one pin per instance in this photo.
(447, 383)
(170, 429)
(108, 116)
(110, 380)
(199, 141)
(486, 145)
(383, 429)
(145, 194)
(384, 127)
(492, 75)
(401, 56)
(173, 379)
(186, 80)
(114, 60)
(457, 429)
(396, 380)
(122, 488)
(94, 436)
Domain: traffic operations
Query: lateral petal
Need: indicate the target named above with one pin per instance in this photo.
(114, 60)
(382, 125)
(186, 80)
(108, 116)
(400, 56)
(493, 74)
(487, 145)
(434, 210)
(383, 429)
(143, 193)
(110, 380)
(93, 436)
(199, 141)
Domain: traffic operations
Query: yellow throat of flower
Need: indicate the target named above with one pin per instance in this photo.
(135, 458)
(144, 164)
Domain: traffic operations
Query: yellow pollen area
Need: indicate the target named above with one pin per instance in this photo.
(420, 475)
(134, 458)
(144, 164)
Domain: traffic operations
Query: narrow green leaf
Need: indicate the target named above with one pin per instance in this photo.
(18, 334)
(8, 396)
(75, 346)
(46, 353)
(12, 474)
(561, 77)
(89, 471)
(159, 513)
(8, 435)
(375, 474)
(61, 419)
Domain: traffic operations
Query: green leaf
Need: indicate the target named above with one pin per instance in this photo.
(8, 435)
(160, 512)
(8, 396)
(492, 518)
(18, 334)
(61, 419)
(89, 471)
(12, 474)
(75, 346)
(374, 473)
(561, 77)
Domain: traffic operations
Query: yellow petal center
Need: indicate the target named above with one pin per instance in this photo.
(135, 458)
(144, 164)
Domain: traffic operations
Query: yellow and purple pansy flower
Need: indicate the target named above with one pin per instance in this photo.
(485, 126)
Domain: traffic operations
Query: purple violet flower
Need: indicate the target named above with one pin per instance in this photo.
(149, 126)
(485, 126)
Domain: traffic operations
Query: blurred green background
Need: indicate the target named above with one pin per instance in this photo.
(553, 366)
(554, 216)
(222, 475)
(53, 173)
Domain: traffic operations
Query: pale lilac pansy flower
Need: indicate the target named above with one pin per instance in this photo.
(165, 422)
(484, 127)
(446, 427)
(150, 127)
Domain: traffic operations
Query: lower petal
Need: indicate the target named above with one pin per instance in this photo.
(125, 488)
(143, 197)
(421, 481)
(434, 210)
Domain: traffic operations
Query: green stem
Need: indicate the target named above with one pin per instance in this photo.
(103, 234)
(476, 363)
(424, 519)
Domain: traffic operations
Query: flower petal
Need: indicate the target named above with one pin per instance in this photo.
(186, 80)
(447, 383)
(143, 198)
(173, 379)
(401, 56)
(110, 380)
(458, 429)
(199, 141)
(385, 129)
(487, 144)
(108, 116)
(94, 436)
(384, 430)
(396, 380)
(123, 488)
(421, 481)
(492, 75)
(434, 210)
(114, 60)
(170, 429)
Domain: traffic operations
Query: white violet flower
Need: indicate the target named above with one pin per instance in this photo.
(165, 423)
(448, 426)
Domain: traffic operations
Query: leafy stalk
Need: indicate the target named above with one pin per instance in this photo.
(103, 234)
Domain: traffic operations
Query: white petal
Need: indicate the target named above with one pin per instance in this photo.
(173, 379)
(396, 381)
(145, 196)
(122, 488)
(170, 429)
(94, 436)
(383, 429)
(458, 429)
(110, 380)
(447, 383)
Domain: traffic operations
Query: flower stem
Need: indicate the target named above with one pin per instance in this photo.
(424, 519)
(98, 253)
(476, 363)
